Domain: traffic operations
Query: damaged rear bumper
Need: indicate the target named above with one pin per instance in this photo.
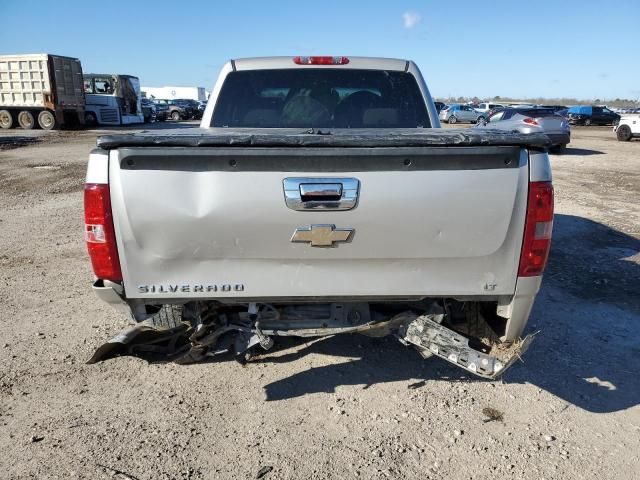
(245, 334)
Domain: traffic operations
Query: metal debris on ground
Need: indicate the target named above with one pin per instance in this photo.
(147, 342)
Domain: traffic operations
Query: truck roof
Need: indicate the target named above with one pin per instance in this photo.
(363, 63)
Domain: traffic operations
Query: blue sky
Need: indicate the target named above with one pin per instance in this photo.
(572, 48)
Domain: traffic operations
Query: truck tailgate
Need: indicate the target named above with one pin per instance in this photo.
(213, 222)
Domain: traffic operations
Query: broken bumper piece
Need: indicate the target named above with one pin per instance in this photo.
(431, 338)
(183, 344)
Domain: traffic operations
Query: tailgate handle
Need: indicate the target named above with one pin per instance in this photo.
(321, 193)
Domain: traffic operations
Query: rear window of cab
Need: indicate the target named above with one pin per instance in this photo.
(314, 98)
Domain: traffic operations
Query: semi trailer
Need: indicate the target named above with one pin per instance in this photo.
(40, 90)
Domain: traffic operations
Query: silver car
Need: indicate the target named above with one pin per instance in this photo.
(461, 113)
(532, 120)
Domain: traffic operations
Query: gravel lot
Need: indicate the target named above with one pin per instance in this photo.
(342, 407)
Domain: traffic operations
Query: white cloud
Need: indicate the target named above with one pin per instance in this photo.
(411, 19)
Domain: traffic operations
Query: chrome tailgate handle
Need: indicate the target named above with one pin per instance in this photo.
(331, 193)
(320, 191)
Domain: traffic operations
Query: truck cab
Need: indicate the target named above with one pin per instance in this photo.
(112, 99)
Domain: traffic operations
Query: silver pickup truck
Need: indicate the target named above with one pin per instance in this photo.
(320, 196)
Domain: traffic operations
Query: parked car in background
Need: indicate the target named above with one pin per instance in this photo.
(486, 107)
(533, 120)
(592, 115)
(149, 110)
(176, 110)
(162, 111)
(628, 127)
(201, 108)
(460, 113)
(192, 106)
(494, 110)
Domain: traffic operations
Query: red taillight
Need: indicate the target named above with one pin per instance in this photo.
(537, 230)
(99, 233)
(530, 121)
(321, 60)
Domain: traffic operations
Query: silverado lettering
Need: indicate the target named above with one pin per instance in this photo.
(200, 288)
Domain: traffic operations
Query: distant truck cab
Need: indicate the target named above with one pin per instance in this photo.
(112, 99)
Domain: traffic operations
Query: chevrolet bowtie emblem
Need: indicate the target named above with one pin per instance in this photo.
(321, 235)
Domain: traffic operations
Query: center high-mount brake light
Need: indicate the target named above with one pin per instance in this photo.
(321, 60)
(99, 232)
(537, 230)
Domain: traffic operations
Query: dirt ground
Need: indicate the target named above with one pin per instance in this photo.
(342, 407)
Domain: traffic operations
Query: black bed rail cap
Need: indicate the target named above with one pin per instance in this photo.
(272, 137)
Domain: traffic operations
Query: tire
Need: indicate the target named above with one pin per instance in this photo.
(623, 133)
(6, 119)
(47, 120)
(90, 119)
(175, 115)
(587, 122)
(559, 148)
(481, 121)
(169, 316)
(26, 120)
(452, 120)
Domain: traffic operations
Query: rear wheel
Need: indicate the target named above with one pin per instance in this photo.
(452, 119)
(481, 121)
(623, 133)
(26, 120)
(46, 120)
(587, 122)
(90, 119)
(175, 115)
(6, 119)
(559, 148)
(169, 316)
